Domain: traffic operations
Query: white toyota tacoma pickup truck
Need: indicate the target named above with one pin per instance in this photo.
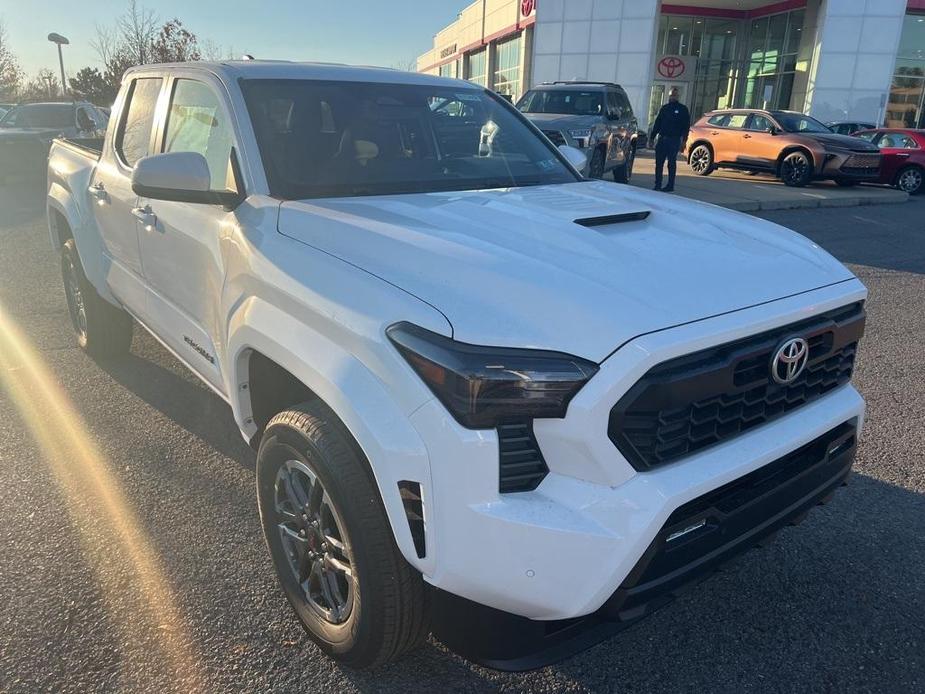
(489, 398)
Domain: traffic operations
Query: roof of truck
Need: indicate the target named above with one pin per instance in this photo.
(282, 69)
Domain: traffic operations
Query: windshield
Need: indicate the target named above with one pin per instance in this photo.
(569, 102)
(327, 138)
(796, 123)
(40, 116)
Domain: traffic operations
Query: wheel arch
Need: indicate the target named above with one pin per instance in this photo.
(270, 373)
(790, 149)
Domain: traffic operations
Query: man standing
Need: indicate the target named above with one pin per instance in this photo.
(672, 126)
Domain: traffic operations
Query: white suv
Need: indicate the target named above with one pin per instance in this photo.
(489, 397)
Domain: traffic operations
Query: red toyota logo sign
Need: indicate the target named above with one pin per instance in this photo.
(527, 7)
(671, 67)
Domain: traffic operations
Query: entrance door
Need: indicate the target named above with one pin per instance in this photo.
(660, 89)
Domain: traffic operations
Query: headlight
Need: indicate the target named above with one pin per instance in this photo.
(582, 134)
(483, 387)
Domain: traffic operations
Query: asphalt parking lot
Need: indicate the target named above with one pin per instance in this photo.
(836, 604)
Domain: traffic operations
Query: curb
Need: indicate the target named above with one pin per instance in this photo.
(802, 204)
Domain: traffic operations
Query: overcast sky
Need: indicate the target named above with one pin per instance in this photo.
(365, 32)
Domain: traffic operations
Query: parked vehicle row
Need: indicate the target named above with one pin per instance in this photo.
(794, 147)
(26, 132)
(903, 157)
(595, 117)
(488, 395)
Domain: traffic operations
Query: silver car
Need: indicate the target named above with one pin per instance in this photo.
(596, 117)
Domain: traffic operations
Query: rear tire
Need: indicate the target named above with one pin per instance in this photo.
(910, 180)
(796, 170)
(385, 605)
(701, 160)
(623, 174)
(103, 330)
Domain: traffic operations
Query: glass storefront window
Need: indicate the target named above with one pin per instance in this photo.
(507, 67)
(448, 69)
(773, 45)
(477, 67)
(906, 107)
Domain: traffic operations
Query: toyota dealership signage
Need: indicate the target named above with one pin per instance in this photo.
(527, 7)
(675, 68)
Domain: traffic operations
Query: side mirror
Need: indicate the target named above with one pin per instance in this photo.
(178, 176)
(614, 115)
(773, 130)
(575, 156)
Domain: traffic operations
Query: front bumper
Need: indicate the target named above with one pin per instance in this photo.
(593, 520)
(697, 538)
(854, 166)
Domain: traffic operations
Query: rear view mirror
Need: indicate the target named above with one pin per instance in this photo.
(575, 156)
(178, 176)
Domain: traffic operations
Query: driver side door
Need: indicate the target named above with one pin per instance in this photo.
(181, 243)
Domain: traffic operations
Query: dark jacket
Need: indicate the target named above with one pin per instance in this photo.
(673, 120)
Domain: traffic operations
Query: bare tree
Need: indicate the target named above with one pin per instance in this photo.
(215, 53)
(408, 65)
(42, 87)
(11, 74)
(137, 28)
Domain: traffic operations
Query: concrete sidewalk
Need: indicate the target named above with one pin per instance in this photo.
(739, 191)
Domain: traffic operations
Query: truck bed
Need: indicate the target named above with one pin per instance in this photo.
(92, 146)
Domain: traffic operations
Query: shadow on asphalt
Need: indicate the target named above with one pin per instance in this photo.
(185, 402)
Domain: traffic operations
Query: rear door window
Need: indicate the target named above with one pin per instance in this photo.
(720, 121)
(737, 120)
(133, 138)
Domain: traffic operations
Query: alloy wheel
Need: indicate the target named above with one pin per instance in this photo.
(794, 169)
(910, 180)
(700, 160)
(313, 537)
(75, 300)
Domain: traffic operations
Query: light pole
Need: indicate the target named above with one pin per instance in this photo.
(61, 41)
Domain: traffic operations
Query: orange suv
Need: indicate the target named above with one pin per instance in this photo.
(794, 147)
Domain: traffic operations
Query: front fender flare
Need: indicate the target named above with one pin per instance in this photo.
(354, 393)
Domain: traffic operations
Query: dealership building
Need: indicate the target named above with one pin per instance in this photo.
(859, 60)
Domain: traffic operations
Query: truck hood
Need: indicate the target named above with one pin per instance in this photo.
(835, 141)
(513, 268)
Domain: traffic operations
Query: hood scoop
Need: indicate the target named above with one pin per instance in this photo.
(607, 219)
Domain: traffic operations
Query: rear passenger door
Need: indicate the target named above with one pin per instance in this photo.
(727, 138)
(111, 191)
(181, 243)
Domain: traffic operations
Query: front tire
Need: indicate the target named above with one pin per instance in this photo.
(701, 160)
(624, 174)
(910, 180)
(796, 170)
(596, 167)
(331, 542)
(103, 330)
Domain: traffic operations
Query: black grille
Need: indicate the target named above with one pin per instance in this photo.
(693, 402)
(555, 137)
(521, 462)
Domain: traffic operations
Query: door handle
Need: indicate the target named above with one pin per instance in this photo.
(904, 155)
(746, 137)
(145, 216)
(97, 191)
(714, 132)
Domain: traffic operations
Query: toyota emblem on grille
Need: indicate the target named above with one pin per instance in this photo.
(789, 360)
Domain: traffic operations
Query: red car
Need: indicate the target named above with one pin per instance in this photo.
(903, 157)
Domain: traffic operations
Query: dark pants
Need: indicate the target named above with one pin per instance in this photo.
(666, 148)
